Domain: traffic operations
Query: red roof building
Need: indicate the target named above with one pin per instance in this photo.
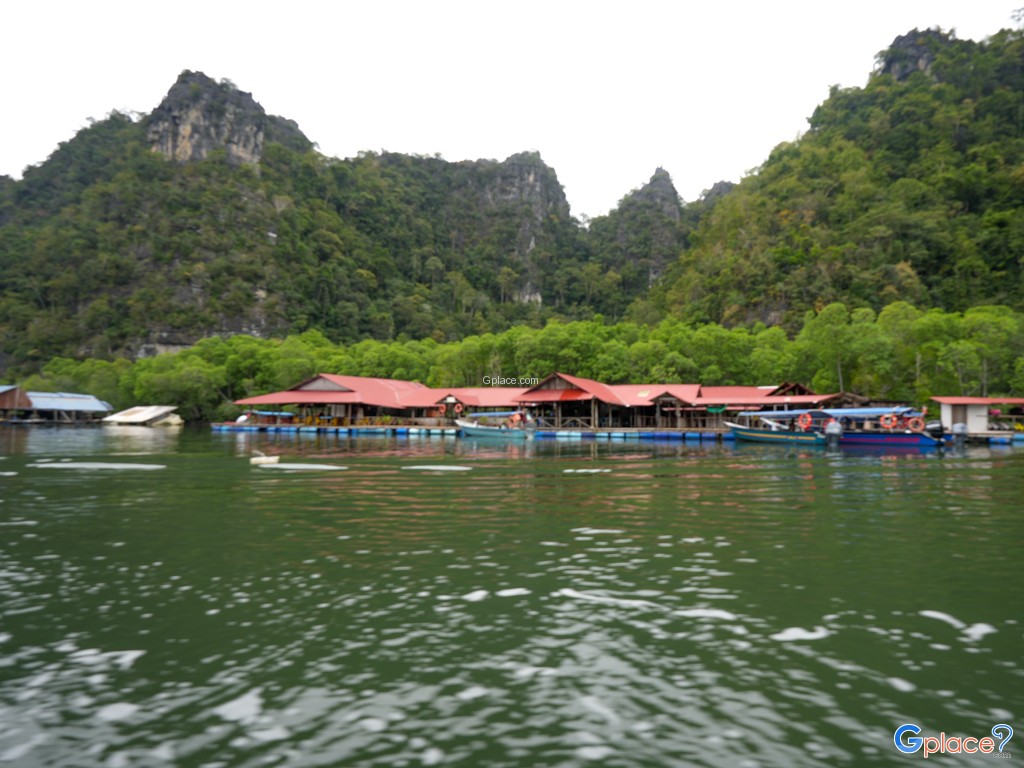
(560, 401)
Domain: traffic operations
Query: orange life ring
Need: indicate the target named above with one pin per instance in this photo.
(889, 421)
(442, 408)
(458, 407)
(804, 420)
(916, 424)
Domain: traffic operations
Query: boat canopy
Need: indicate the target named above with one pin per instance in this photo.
(482, 414)
(836, 413)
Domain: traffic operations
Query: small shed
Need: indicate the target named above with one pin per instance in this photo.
(65, 407)
(12, 399)
(982, 415)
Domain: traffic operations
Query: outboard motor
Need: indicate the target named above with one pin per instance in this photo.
(833, 431)
(935, 429)
(959, 434)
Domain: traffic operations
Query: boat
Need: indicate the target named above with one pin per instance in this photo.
(514, 426)
(892, 426)
(770, 435)
(261, 459)
(146, 416)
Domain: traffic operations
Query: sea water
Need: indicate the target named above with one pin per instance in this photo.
(163, 602)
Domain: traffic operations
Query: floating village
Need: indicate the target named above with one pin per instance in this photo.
(562, 406)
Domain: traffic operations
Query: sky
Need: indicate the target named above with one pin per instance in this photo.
(606, 92)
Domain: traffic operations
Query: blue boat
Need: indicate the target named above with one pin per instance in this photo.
(900, 426)
(768, 435)
(471, 428)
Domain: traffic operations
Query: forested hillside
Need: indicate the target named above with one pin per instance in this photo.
(901, 354)
(138, 236)
(911, 188)
(209, 217)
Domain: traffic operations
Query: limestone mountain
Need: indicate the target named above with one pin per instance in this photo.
(209, 216)
(199, 116)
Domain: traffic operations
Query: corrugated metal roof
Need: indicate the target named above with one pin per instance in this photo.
(729, 393)
(585, 389)
(294, 397)
(327, 389)
(478, 397)
(141, 414)
(67, 401)
(770, 400)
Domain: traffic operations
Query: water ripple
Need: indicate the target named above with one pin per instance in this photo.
(704, 607)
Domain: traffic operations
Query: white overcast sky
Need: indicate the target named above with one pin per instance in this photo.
(606, 91)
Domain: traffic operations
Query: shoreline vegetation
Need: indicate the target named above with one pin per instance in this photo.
(902, 354)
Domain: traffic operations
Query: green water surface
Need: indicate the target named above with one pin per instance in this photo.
(165, 603)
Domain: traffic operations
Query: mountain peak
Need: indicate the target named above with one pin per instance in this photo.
(200, 115)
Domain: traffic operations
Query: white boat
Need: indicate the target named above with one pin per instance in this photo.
(472, 428)
(146, 416)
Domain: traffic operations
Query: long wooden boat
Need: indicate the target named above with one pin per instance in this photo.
(897, 427)
(768, 435)
(471, 428)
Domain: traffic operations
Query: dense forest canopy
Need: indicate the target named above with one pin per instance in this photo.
(110, 249)
(902, 354)
(883, 251)
(911, 188)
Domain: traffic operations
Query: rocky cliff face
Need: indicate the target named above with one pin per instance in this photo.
(525, 178)
(524, 184)
(200, 115)
(913, 52)
(660, 194)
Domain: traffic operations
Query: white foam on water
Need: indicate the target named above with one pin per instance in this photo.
(432, 756)
(900, 684)
(971, 633)
(124, 659)
(476, 596)
(113, 713)
(584, 471)
(594, 752)
(953, 622)
(796, 634)
(245, 708)
(302, 467)
(438, 468)
(706, 613)
(96, 465)
(622, 601)
(374, 724)
(473, 692)
(598, 707)
(597, 531)
(975, 632)
(18, 751)
(512, 592)
(274, 733)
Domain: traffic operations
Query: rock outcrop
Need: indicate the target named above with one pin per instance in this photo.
(199, 116)
(912, 52)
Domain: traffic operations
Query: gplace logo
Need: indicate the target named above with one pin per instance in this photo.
(951, 745)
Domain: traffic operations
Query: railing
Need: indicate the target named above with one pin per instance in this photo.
(570, 422)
